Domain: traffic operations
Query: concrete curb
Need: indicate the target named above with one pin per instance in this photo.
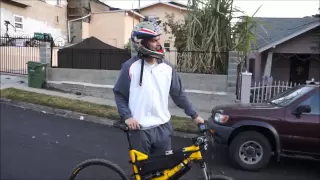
(74, 115)
(12, 74)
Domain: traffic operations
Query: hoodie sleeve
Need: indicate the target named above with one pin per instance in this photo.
(121, 91)
(179, 96)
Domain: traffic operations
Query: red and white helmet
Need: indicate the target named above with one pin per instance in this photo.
(144, 31)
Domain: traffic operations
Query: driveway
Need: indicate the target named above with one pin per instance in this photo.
(37, 145)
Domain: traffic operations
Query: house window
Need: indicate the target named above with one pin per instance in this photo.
(18, 22)
(58, 2)
(167, 47)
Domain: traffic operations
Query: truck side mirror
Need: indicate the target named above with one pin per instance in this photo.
(302, 109)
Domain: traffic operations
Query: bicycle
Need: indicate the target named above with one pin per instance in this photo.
(172, 165)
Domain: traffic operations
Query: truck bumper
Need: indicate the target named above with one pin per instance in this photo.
(221, 133)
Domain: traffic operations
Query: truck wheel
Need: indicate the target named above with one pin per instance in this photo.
(250, 151)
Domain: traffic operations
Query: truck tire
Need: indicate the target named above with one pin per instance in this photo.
(250, 151)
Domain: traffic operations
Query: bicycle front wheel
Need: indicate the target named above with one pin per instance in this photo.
(100, 163)
(208, 175)
(220, 177)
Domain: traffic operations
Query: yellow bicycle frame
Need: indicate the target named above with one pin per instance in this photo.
(136, 156)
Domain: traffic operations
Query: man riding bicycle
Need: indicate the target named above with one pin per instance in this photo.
(142, 90)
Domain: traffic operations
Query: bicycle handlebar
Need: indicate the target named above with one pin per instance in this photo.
(124, 127)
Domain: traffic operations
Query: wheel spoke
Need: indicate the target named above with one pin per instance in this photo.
(258, 151)
(250, 152)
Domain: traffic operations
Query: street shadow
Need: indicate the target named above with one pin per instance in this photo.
(286, 169)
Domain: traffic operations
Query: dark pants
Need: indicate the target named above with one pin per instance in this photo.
(156, 140)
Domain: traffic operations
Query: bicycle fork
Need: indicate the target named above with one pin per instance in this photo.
(204, 168)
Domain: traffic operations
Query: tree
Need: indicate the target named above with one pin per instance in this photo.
(208, 33)
(245, 36)
(207, 36)
(177, 29)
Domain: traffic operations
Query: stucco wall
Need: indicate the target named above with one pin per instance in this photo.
(99, 83)
(112, 27)
(85, 30)
(300, 44)
(129, 23)
(101, 27)
(203, 82)
(40, 16)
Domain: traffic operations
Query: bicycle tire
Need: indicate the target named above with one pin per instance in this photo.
(99, 162)
(220, 177)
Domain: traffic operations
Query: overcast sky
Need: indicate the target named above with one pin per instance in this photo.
(270, 8)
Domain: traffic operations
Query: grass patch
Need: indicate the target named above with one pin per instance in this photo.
(181, 124)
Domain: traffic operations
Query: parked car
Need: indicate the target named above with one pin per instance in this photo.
(286, 125)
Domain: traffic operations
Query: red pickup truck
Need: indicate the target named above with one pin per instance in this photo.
(286, 125)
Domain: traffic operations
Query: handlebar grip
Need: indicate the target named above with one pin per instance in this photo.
(123, 126)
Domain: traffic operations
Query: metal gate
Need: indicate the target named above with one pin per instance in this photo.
(15, 52)
(261, 92)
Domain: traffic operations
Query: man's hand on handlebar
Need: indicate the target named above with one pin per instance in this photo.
(198, 120)
(132, 123)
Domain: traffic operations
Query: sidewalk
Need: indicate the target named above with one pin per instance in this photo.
(19, 82)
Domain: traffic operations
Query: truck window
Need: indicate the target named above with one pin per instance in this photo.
(314, 102)
(290, 95)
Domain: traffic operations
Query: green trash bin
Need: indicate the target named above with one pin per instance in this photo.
(36, 74)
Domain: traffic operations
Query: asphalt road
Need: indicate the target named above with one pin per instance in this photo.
(36, 145)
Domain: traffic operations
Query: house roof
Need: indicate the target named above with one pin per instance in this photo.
(170, 3)
(282, 29)
(92, 43)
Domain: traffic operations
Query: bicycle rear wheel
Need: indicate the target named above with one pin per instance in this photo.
(98, 162)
